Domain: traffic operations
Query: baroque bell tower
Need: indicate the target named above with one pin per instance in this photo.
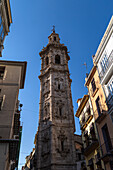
(55, 137)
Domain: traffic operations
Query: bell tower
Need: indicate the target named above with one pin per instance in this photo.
(55, 137)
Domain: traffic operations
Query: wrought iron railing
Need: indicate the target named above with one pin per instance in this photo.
(109, 102)
(107, 65)
(101, 110)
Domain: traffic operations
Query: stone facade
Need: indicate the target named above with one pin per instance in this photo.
(55, 148)
(12, 77)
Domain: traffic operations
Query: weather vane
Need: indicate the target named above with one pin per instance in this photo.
(53, 28)
(85, 64)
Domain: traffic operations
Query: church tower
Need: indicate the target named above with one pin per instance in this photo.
(55, 137)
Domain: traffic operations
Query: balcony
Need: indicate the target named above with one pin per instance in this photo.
(85, 121)
(108, 65)
(107, 150)
(13, 147)
(91, 145)
(16, 125)
(100, 114)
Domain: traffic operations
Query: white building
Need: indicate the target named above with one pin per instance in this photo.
(104, 60)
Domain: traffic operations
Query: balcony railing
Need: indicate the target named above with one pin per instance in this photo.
(83, 124)
(107, 65)
(109, 102)
(107, 150)
(91, 145)
(100, 113)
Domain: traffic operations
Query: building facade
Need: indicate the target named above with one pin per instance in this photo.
(89, 133)
(5, 21)
(104, 61)
(12, 77)
(100, 91)
(55, 147)
(80, 159)
(101, 116)
(30, 161)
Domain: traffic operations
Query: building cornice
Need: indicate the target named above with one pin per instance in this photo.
(91, 74)
(61, 46)
(17, 63)
(9, 11)
(104, 40)
(82, 105)
(52, 69)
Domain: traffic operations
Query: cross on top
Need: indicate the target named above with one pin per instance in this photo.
(53, 28)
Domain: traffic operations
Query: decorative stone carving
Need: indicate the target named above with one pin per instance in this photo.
(62, 148)
(59, 84)
(60, 112)
(46, 109)
(45, 145)
(46, 87)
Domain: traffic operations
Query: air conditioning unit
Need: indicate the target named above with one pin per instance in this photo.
(16, 136)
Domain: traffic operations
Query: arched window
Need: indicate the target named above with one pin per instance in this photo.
(58, 86)
(62, 145)
(57, 59)
(60, 111)
(47, 61)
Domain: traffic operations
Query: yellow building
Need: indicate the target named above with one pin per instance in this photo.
(102, 118)
(89, 132)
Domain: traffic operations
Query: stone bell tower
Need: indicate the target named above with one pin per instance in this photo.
(55, 138)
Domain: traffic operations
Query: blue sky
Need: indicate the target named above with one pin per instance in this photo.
(80, 25)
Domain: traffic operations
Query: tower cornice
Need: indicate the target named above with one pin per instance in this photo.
(57, 46)
(52, 69)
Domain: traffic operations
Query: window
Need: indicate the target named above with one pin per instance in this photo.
(104, 63)
(93, 85)
(88, 111)
(57, 59)
(47, 61)
(79, 156)
(106, 137)
(58, 86)
(62, 145)
(110, 86)
(2, 70)
(54, 38)
(98, 105)
(60, 111)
